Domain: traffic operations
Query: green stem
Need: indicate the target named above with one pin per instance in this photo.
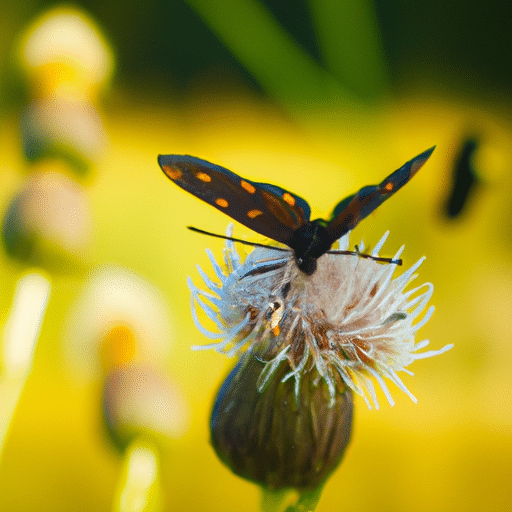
(307, 501)
(18, 344)
(270, 54)
(139, 487)
(351, 45)
(276, 501)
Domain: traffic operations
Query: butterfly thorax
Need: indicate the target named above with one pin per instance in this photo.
(309, 242)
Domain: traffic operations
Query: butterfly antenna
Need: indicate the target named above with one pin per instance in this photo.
(254, 244)
(245, 242)
(367, 256)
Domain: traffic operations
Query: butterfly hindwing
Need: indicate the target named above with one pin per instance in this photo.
(353, 209)
(269, 210)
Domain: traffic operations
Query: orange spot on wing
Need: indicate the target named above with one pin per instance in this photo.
(203, 177)
(174, 174)
(252, 214)
(221, 202)
(389, 187)
(247, 186)
(276, 330)
(288, 198)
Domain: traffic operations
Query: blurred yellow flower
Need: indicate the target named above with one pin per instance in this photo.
(119, 318)
(65, 48)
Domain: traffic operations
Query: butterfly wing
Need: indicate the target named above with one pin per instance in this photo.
(267, 209)
(353, 209)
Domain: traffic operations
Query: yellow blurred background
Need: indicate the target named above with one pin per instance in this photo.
(323, 140)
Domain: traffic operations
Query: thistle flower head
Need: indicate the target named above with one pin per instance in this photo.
(351, 321)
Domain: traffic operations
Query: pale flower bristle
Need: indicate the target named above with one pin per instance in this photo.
(350, 320)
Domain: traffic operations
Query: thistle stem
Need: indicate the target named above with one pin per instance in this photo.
(289, 500)
(275, 500)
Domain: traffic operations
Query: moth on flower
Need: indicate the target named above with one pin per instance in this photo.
(350, 320)
(337, 311)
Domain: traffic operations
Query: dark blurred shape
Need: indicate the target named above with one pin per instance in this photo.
(464, 180)
(269, 438)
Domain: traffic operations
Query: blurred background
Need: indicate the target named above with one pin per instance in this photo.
(321, 97)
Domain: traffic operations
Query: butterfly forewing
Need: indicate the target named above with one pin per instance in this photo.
(298, 208)
(266, 209)
(353, 209)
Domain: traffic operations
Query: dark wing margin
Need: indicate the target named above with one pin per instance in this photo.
(269, 210)
(353, 209)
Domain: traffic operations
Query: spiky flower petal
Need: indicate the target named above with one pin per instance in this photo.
(351, 320)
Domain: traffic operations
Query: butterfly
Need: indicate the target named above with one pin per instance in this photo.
(277, 213)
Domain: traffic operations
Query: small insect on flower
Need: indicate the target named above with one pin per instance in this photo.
(328, 313)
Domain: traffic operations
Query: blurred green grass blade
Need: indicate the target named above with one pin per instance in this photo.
(270, 54)
(351, 45)
(18, 341)
(139, 487)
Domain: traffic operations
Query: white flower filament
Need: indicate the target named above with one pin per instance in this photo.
(350, 320)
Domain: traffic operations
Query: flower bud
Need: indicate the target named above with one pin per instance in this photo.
(276, 437)
(66, 127)
(64, 48)
(48, 223)
(138, 401)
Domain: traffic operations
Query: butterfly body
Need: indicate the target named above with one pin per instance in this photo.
(309, 242)
(277, 213)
